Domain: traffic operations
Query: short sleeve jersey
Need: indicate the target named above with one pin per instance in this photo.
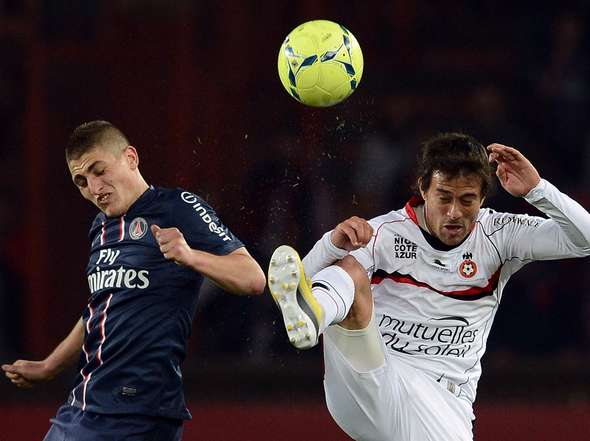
(141, 305)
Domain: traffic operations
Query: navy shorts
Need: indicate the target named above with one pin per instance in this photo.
(74, 424)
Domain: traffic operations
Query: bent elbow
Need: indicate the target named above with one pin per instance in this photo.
(257, 284)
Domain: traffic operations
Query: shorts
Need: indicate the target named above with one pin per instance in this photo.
(74, 424)
(394, 402)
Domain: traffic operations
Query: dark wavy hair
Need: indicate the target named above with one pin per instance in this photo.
(454, 155)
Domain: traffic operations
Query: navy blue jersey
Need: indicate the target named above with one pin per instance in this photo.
(141, 305)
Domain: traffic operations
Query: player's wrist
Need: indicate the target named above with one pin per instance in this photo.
(50, 368)
(333, 250)
(194, 260)
(536, 192)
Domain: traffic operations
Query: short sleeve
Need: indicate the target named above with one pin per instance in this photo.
(200, 225)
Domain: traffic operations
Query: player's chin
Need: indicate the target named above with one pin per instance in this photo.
(453, 236)
(110, 210)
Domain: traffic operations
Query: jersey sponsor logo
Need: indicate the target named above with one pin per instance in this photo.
(517, 219)
(107, 256)
(404, 248)
(115, 278)
(446, 336)
(192, 199)
(138, 228)
(119, 278)
(468, 268)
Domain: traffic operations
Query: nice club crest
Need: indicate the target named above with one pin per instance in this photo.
(468, 267)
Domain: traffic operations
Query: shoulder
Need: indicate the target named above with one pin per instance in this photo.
(395, 216)
(176, 196)
(493, 221)
(180, 200)
(390, 221)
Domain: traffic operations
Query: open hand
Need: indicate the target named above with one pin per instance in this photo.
(516, 173)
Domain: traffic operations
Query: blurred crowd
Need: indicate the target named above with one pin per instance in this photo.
(431, 68)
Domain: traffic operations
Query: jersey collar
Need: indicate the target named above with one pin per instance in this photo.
(145, 198)
(409, 207)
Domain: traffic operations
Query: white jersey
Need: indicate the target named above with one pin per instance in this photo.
(435, 308)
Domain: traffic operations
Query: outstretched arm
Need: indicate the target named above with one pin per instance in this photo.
(236, 272)
(567, 231)
(25, 373)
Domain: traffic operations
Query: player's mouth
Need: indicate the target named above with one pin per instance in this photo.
(103, 199)
(453, 229)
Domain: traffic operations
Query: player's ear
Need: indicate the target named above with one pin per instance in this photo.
(132, 157)
(420, 189)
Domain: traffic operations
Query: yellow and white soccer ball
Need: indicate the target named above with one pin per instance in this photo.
(320, 63)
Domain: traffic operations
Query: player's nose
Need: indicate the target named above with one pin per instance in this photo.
(95, 185)
(454, 211)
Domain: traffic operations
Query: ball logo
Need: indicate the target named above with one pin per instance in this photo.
(468, 267)
(138, 228)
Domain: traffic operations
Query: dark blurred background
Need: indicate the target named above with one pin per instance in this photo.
(194, 86)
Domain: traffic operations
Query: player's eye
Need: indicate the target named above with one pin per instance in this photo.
(467, 202)
(81, 182)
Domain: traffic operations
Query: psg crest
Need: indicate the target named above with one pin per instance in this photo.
(468, 267)
(138, 228)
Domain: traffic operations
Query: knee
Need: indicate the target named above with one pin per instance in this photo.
(356, 272)
(360, 312)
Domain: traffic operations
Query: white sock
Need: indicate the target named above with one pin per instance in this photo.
(362, 348)
(334, 290)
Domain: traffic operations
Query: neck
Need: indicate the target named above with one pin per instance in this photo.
(420, 211)
(140, 188)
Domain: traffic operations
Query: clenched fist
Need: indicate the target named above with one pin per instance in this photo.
(173, 245)
(352, 234)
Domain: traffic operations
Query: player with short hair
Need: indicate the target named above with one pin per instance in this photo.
(150, 249)
(403, 346)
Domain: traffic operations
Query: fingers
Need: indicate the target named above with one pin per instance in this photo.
(12, 369)
(12, 372)
(12, 376)
(358, 231)
(155, 229)
(367, 232)
(171, 241)
(503, 153)
(22, 383)
(165, 235)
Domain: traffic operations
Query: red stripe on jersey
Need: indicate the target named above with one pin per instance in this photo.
(89, 318)
(473, 293)
(103, 234)
(409, 207)
(122, 229)
(102, 330)
(86, 377)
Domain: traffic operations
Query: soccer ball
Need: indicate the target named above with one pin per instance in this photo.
(320, 63)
